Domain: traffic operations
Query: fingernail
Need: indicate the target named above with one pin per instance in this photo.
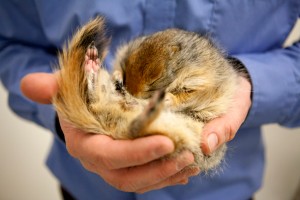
(184, 181)
(212, 141)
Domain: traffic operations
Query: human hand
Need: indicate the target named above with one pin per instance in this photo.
(223, 129)
(128, 165)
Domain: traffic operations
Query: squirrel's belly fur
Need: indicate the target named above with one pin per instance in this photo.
(169, 83)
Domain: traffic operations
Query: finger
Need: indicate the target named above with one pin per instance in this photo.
(135, 178)
(39, 87)
(115, 154)
(181, 178)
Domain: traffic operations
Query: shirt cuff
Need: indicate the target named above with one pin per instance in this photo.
(58, 129)
(271, 86)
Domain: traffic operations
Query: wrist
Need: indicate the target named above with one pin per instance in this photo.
(239, 67)
(242, 71)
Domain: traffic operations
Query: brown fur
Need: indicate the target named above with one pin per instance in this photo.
(169, 83)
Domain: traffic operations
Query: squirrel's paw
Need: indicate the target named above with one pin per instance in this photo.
(92, 65)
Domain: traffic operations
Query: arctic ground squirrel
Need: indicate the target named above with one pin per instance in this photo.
(169, 83)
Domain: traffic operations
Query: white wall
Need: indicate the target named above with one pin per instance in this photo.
(283, 163)
(23, 150)
(24, 146)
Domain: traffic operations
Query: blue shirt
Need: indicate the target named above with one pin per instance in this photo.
(253, 31)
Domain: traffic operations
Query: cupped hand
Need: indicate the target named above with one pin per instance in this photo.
(128, 165)
(224, 128)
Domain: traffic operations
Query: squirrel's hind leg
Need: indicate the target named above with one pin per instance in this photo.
(92, 65)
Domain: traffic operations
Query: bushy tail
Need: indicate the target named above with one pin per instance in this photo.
(71, 101)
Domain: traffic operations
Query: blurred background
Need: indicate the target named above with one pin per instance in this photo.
(24, 147)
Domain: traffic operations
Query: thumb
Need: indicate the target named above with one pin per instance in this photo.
(223, 129)
(39, 87)
(217, 132)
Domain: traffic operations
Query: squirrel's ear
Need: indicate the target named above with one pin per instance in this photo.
(174, 49)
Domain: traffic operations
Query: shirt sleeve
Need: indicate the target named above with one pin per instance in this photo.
(275, 77)
(17, 60)
(24, 49)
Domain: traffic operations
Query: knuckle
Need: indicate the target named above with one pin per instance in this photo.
(125, 185)
(183, 176)
(173, 180)
(71, 150)
(142, 191)
(135, 157)
(176, 179)
(230, 132)
(104, 160)
(87, 166)
(119, 180)
(191, 171)
(231, 136)
(168, 168)
(184, 181)
(161, 174)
